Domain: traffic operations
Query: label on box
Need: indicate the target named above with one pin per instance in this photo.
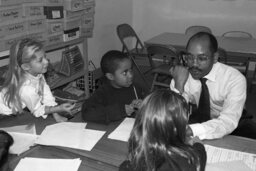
(71, 34)
(8, 14)
(54, 39)
(55, 26)
(33, 10)
(53, 12)
(36, 24)
(74, 5)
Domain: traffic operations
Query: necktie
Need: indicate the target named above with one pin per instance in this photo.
(202, 113)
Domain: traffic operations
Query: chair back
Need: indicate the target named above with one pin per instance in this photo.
(196, 29)
(125, 33)
(166, 54)
(222, 56)
(238, 34)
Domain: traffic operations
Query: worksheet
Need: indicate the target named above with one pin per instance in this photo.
(216, 155)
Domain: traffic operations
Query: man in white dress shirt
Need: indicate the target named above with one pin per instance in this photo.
(226, 85)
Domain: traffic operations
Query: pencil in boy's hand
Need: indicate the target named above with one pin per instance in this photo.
(135, 92)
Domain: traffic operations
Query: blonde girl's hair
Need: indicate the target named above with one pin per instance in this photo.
(159, 132)
(22, 51)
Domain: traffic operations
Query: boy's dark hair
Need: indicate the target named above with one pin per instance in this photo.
(110, 60)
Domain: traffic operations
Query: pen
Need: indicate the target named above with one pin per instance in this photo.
(135, 92)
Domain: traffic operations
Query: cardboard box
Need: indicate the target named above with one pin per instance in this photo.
(89, 8)
(9, 40)
(53, 2)
(53, 12)
(72, 14)
(72, 23)
(37, 35)
(13, 27)
(74, 5)
(55, 26)
(10, 2)
(32, 1)
(54, 39)
(89, 1)
(9, 13)
(86, 32)
(87, 21)
(36, 23)
(33, 9)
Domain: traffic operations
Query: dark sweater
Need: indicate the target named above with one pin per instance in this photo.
(108, 103)
(182, 165)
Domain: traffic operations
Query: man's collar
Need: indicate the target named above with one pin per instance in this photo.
(212, 74)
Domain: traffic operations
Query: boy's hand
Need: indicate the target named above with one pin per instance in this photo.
(129, 109)
(136, 104)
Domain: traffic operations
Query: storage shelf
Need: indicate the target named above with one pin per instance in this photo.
(64, 44)
(64, 80)
(50, 48)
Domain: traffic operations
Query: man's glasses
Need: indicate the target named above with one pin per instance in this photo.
(200, 58)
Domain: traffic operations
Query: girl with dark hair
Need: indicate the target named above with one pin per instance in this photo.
(158, 140)
(5, 142)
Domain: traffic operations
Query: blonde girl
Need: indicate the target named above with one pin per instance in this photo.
(25, 85)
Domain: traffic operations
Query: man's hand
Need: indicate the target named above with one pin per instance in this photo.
(180, 76)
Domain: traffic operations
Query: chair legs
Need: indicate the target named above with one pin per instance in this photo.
(140, 73)
(160, 83)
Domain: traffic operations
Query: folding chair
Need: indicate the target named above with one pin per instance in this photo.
(163, 58)
(238, 60)
(127, 35)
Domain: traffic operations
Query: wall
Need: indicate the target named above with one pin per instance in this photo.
(153, 17)
(108, 14)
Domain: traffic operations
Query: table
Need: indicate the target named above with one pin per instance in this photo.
(108, 154)
(245, 47)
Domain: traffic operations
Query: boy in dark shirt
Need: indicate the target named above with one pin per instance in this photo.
(118, 97)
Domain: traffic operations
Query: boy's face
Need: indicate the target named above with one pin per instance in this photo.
(123, 76)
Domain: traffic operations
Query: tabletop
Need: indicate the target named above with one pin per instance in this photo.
(231, 45)
(107, 154)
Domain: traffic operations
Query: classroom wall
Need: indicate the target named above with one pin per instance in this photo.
(153, 17)
(108, 14)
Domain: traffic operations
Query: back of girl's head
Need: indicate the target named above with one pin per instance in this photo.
(5, 142)
(160, 124)
(110, 61)
(22, 51)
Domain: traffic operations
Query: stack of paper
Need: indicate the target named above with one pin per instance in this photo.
(24, 137)
(217, 155)
(72, 135)
(38, 164)
(123, 131)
